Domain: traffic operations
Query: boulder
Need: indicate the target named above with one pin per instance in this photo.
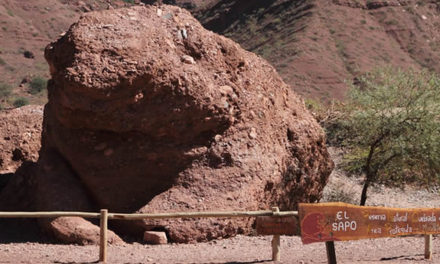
(155, 237)
(150, 112)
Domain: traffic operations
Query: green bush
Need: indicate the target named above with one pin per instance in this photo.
(37, 85)
(5, 90)
(313, 105)
(21, 101)
(390, 127)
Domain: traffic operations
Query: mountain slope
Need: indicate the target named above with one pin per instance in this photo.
(26, 27)
(319, 45)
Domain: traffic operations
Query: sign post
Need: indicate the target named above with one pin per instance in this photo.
(277, 225)
(428, 246)
(329, 222)
(331, 253)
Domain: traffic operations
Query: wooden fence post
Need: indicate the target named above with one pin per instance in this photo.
(103, 236)
(428, 246)
(276, 241)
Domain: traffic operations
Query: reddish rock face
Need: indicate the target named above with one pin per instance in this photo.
(150, 112)
(20, 136)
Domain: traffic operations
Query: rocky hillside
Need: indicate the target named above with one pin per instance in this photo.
(316, 45)
(26, 27)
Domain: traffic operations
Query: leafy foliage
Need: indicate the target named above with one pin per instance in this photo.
(390, 125)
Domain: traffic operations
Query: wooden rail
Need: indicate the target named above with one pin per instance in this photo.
(47, 214)
(104, 216)
(147, 216)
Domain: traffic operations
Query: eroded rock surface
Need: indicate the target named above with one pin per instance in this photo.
(20, 135)
(150, 112)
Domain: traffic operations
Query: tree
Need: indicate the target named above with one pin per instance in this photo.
(390, 126)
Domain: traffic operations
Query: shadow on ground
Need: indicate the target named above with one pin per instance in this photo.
(21, 230)
(413, 257)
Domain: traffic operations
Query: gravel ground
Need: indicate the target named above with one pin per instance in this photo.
(240, 249)
(257, 249)
(348, 189)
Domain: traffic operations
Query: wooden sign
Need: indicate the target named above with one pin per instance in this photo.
(340, 221)
(270, 225)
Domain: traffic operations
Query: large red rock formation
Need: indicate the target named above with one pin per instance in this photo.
(150, 112)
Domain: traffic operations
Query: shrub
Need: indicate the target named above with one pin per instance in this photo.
(21, 101)
(390, 126)
(37, 85)
(339, 193)
(5, 90)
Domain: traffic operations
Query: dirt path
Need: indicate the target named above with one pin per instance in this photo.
(236, 250)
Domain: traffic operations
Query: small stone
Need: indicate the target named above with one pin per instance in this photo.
(226, 89)
(138, 97)
(155, 237)
(168, 16)
(253, 133)
(159, 12)
(179, 35)
(184, 33)
(188, 59)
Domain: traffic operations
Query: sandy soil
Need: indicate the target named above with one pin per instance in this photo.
(240, 249)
